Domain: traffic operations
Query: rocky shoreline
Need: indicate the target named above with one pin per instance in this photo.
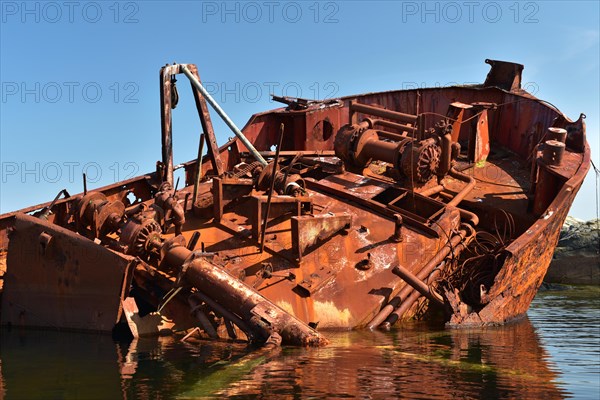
(577, 256)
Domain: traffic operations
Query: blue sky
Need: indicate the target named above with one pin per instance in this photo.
(79, 79)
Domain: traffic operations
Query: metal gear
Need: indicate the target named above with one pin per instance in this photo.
(420, 162)
(149, 232)
(140, 236)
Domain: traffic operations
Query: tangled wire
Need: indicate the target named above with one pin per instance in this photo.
(473, 273)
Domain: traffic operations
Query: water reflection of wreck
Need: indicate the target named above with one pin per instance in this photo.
(486, 363)
(482, 363)
(372, 209)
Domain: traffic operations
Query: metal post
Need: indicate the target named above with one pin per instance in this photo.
(166, 122)
(198, 169)
(273, 173)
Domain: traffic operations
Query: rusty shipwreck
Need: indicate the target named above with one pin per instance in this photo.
(369, 210)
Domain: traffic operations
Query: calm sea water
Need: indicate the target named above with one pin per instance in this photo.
(554, 353)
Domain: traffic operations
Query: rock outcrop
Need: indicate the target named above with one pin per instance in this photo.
(577, 256)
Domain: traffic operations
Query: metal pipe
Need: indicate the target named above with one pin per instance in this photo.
(224, 116)
(237, 301)
(392, 305)
(418, 284)
(231, 293)
(230, 329)
(46, 210)
(193, 241)
(408, 302)
(432, 190)
(287, 153)
(470, 181)
(383, 113)
(202, 318)
(404, 307)
(468, 216)
(457, 243)
(400, 299)
(391, 136)
(395, 125)
(223, 312)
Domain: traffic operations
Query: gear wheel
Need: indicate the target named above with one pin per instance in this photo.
(420, 162)
(138, 235)
(148, 232)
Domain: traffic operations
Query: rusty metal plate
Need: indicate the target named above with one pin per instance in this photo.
(58, 279)
(315, 281)
(308, 230)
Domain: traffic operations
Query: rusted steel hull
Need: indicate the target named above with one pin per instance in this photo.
(461, 191)
(68, 280)
(530, 255)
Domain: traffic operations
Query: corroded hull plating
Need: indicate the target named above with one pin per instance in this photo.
(373, 209)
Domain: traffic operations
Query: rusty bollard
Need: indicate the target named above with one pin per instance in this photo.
(553, 152)
(397, 236)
